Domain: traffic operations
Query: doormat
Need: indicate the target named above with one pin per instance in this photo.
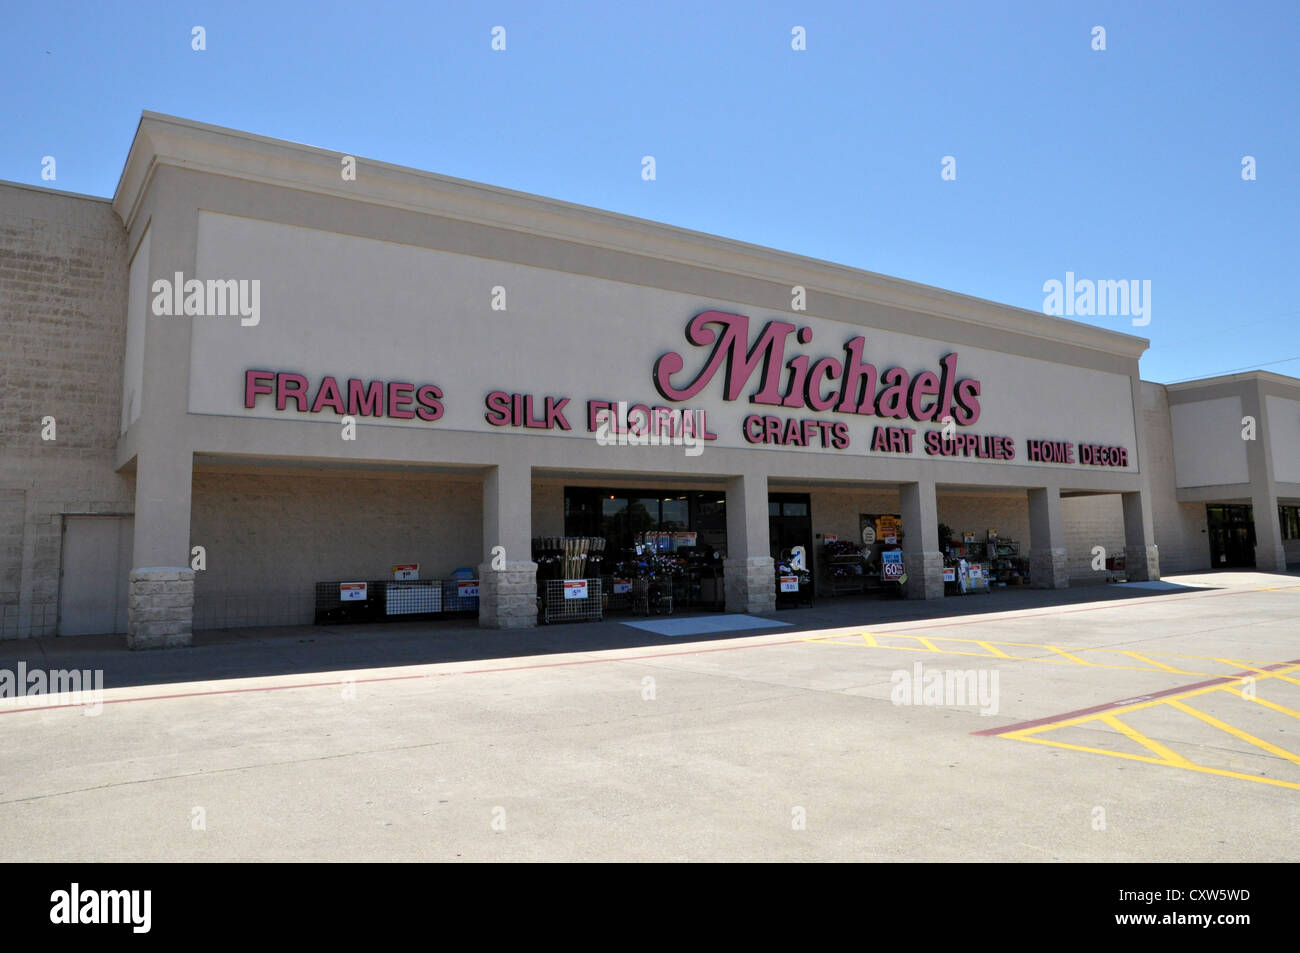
(1159, 584)
(703, 625)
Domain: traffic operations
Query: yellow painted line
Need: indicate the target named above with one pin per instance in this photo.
(1165, 754)
(1263, 672)
(1016, 736)
(1138, 757)
(1273, 705)
(1150, 703)
(1237, 732)
(1151, 661)
(835, 640)
(928, 644)
(1069, 655)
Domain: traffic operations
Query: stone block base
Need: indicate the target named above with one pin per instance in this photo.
(1049, 569)
(507, 598)
(160, 608)
(924, 575)
(750, 584)
(1142, 564)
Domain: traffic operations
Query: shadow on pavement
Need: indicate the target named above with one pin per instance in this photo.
(293, 650)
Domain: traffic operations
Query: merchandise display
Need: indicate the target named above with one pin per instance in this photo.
(568, 577)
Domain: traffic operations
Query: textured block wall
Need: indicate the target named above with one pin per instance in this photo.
(62, 338)
(1092, 521)
(270, 537)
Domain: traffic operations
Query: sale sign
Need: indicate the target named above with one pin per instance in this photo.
(352, 591)
(575, 588)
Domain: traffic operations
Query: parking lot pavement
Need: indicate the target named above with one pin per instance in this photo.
(1127, 724)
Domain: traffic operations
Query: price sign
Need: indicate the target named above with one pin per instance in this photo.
(949, 574)
(468, 589)
(575, 588)
(887, 529)
(622, 586)
(406, 571)
(352, 592)
(789, 583)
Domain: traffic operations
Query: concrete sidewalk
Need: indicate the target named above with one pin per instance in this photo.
(255, 652)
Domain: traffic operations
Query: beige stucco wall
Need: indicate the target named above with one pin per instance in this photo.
(62, 331)
(389, 311)
(1284, 437)
(270, 536)
(1207, 435)
(1180, 527)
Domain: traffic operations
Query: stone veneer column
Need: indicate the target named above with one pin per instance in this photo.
(749, 571)
(160, 604)
(1141, 556)
(508, 576)
(160, 608)
(922, 558)
(1049, 566)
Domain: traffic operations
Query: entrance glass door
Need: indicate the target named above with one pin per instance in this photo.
(789, 524)
(1231, 529)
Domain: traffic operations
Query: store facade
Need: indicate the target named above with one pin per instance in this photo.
(309, 378)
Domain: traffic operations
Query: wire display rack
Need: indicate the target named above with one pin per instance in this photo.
(651, 596)
(386, 599)
(453, 601)
(616, 601)
(557, 608)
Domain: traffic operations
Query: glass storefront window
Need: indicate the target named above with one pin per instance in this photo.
(1289, 518)
(675, 514)
(621, 515)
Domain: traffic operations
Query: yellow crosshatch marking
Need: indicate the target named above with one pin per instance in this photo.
(1177, 702)
(1101, 657)
(1097, 657)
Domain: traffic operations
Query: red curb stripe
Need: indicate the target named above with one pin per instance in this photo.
(990, 732)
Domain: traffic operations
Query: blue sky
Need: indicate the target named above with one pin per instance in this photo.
(1121, 164)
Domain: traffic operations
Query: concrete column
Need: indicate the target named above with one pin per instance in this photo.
(1049, 566)
(749, 570)
(1141, 556)
(922, 558)
(160, 603)
(1270, 554)
(508, 575)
